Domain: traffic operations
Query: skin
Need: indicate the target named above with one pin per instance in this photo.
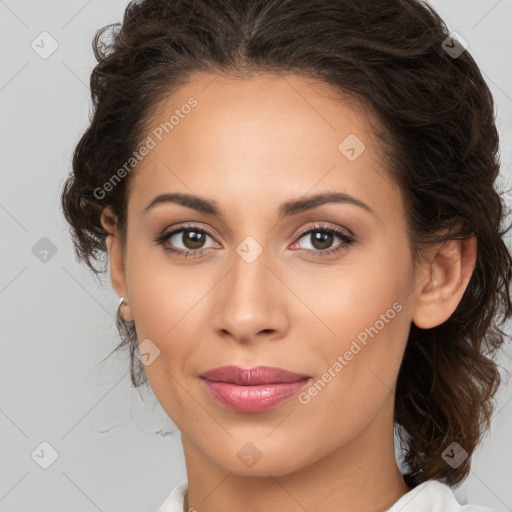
(250, 145)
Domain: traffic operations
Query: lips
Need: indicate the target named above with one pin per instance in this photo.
(252, 376)
(252, 390)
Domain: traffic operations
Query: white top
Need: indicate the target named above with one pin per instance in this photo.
(430, 496)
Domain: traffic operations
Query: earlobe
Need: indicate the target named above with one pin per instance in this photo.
(448, 274)
(115, 257)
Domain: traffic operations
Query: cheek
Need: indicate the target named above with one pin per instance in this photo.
(161, 293)
(359, 368)
(165, 304)
(349, 301)
(366, 317)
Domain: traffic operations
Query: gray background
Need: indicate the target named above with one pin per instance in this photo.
(58, 321)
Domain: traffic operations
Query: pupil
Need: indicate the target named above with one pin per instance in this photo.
(322, 240)
(195, 239)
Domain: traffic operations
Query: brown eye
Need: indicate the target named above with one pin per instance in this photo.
(322, 238)
(191, 238)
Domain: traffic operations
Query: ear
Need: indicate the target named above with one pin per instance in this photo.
(447, 275)
(115, 257)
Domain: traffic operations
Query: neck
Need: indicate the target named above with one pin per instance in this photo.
(360, 476)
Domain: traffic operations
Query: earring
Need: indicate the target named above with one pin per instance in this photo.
(122, 303)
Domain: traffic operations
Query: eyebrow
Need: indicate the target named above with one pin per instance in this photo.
(288, 208)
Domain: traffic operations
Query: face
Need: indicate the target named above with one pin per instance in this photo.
(324, 290)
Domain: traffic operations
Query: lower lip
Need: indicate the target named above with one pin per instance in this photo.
(253, 398)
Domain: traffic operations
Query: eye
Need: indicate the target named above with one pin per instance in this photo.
(322, 237)
(192, 237)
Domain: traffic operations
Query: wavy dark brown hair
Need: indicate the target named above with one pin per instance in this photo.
(436, 129)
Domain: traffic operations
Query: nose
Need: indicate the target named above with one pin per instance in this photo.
(250, 302)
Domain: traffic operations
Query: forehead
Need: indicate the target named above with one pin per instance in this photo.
(271, 137)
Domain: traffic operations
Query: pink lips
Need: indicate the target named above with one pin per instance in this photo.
(252, 389)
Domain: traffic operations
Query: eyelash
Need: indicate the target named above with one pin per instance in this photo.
(346, 240)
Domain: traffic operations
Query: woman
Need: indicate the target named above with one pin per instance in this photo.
(297, 203)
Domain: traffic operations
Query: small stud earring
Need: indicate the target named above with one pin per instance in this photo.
(121, 300)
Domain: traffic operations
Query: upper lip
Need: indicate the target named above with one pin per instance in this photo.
(252, 376)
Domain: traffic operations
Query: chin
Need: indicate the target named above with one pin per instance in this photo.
(261, 458)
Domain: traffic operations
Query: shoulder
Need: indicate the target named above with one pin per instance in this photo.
(434, 496)
(430, 496)
(175, 501)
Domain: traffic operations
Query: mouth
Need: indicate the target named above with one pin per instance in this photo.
(252, 390)
(252, 376)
